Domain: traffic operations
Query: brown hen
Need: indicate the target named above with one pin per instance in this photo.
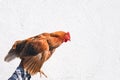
(34, 51)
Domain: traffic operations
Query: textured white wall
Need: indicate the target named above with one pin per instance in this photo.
(94, 50)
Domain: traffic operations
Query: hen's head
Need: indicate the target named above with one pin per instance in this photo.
(65, 36)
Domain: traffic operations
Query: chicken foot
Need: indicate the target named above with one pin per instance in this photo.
(42, 73)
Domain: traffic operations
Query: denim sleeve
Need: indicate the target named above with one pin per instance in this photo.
(20, 74)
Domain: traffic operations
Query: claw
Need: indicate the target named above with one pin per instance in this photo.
(42, 73)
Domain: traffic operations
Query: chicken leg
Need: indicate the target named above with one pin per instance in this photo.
(42, 73)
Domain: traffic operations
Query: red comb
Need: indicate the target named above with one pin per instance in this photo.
(68, 35)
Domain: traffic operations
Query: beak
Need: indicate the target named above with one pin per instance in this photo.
(69, 39)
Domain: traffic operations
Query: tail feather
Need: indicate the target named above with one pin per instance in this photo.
(9, 57)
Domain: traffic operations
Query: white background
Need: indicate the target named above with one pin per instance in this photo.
(94, 50)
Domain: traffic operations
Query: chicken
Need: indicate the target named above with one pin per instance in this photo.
(36, 50)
